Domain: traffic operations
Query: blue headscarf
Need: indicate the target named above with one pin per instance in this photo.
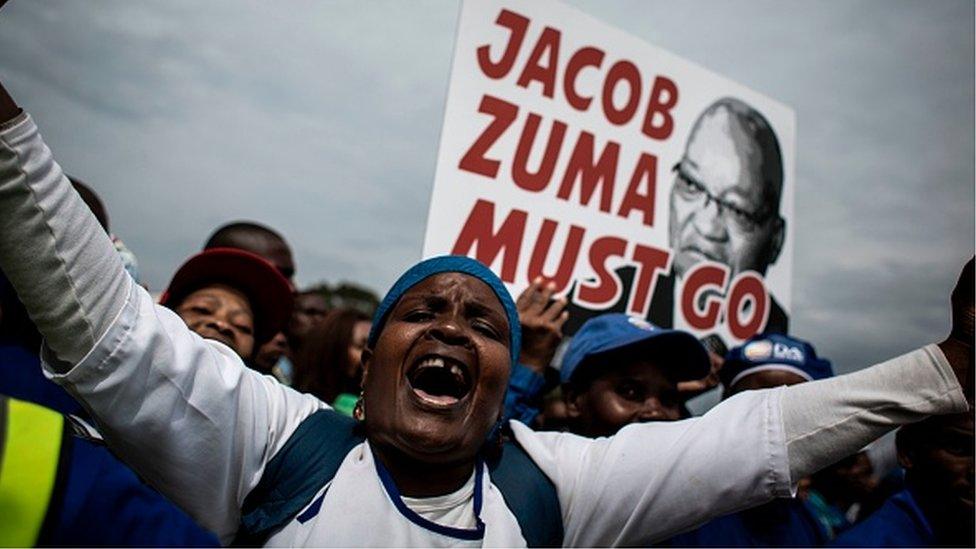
(449, 264)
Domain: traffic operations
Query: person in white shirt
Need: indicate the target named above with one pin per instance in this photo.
(205, 430)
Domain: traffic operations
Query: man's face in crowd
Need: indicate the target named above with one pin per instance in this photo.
(278, 253)
(309, 310)
(940, 467)
(723, 208)
(435, 382)
(632, 389)
(221, 313)
(274, 249)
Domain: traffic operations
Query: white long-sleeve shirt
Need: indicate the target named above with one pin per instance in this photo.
(197, 424)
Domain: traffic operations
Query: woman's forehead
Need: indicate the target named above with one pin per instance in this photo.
(451, 280)
(456, 286)
(227, 295)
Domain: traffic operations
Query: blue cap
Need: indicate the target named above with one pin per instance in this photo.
(773, 352)
(614, 331)
(449, 264)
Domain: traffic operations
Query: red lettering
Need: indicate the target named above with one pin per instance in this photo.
(658, 105)
(516, 23)
(650, 263)
(474, 160)
(634, 199)
(607, 289)
(699, 280)
(548, 45)
(477, 233)
(748, 287)
(540, 179)
(584, 57)
(591, 174)
(622, 70)
(567, 262)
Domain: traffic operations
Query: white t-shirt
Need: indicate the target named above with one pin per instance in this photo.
(362, 507)
(455, 509)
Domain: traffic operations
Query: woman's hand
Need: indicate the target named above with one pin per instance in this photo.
(690, 389)
(8, 108)
(958, 347)
(542, 324)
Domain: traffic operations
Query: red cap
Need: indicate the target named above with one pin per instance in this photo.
(269, 293)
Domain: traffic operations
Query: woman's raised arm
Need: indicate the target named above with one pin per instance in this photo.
(185, 413)
(653, 480)
(52, 249)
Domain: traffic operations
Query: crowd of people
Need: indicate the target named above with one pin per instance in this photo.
(236, 408)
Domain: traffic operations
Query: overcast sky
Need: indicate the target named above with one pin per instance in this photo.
(322, 119)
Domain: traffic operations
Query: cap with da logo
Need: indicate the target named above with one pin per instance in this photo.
(613, 331)
(773, 352)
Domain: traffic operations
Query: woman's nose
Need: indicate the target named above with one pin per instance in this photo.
(220, 325)
(652, 410)
(449, 330)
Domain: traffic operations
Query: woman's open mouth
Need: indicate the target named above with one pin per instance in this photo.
(439, 381)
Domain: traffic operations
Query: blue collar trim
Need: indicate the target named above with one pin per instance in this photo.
(476, 533)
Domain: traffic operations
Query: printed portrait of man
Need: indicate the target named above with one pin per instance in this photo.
(724, 207)
(724, 203)
(725, 198)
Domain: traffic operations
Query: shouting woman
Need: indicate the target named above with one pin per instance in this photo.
(422, 464)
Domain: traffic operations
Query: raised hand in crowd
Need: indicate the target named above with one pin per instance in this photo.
(542, 319)
(716, 357)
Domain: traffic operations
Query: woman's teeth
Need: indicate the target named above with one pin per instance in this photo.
(439, 381)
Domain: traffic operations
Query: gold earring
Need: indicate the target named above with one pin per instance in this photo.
(359, 410)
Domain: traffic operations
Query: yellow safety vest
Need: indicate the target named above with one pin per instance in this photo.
(31, 449)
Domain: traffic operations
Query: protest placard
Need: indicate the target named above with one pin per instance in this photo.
(635, 180)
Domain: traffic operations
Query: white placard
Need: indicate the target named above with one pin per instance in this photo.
(637, 181)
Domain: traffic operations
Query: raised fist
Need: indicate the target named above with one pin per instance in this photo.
(958, 347)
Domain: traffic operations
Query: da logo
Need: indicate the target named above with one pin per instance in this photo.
(758, 350)
(640, 323)
(788, 352)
